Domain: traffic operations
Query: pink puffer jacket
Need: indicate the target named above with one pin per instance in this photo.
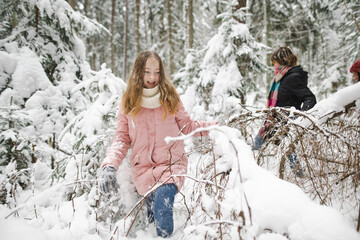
(152, 160)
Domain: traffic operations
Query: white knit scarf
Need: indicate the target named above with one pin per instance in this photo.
(151, 97)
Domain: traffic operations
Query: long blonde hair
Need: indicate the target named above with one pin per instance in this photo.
(132, 98)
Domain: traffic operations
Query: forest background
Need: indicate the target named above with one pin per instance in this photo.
(63, 69)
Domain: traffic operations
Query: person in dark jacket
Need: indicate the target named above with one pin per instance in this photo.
(355, 70)
(294, 92)
(288, 89)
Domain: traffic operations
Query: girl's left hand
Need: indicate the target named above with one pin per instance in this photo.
(107, 179)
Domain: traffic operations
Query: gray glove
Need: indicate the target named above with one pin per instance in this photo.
(107, 179)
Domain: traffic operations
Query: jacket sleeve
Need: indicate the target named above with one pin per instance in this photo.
(121, 143)
(186, 125)
(300, 89)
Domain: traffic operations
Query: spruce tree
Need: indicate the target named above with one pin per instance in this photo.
(220, 75)
(42, 59)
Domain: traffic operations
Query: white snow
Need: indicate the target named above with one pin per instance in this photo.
(26, 71)
(274, 203)
(335, 103)
(16, 229)
(54, 207)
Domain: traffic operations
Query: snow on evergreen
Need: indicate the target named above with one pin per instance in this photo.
(218, 73)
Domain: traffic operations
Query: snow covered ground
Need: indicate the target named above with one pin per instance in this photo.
(272, 208)
(279, 209)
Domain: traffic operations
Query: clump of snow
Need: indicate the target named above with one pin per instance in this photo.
(272, 236)
(29, 74)
(8, 62)
(26, 72)
(335, 103)
(16, 229)
(100, 96)
(228, 77)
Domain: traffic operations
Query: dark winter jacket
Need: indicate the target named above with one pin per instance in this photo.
(293, 90)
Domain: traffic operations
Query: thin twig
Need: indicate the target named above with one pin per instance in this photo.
(353, 16)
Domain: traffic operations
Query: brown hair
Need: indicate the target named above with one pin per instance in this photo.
(284, 56)
(132, 98)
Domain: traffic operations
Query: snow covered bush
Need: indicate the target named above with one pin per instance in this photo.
(41, 60)
(86, 138)
(326, 143)
(228, 196)
(16, 151)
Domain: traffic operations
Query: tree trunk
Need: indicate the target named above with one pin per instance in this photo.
(240, 4)
(87, 7)
(112, 45)
(267, 39)
(353, 16)
(267, 29)
(90, 40)
(37, 19)
(72, 3)
(99, 55)
(146, 27)
(137, 26)
(191, 24)
(126, 37)
(169, 13)
(358, 223)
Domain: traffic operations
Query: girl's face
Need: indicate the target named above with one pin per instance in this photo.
(276, 64)
(356, 77)
(152, 73)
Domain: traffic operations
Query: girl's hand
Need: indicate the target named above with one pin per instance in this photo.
(107, 179)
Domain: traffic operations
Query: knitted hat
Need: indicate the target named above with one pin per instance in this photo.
(355, 67)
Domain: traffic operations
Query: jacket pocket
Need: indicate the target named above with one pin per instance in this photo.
(136, 161)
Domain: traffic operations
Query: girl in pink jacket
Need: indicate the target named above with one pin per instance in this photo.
(151, 110)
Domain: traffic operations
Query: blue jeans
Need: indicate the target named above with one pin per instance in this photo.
(160, 205)
(258, 142)
(294, 162)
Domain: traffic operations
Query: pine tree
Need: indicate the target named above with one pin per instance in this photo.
(42, 59)
(51, 31)
(88, 136)
(16, 151)
(90, 132)
(221, 74)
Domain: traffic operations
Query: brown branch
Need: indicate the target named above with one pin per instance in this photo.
(353, 16)
(347, 107)
(142, 201)
(217, 189)
(358, 223)
(132, 223)
(240, 177)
